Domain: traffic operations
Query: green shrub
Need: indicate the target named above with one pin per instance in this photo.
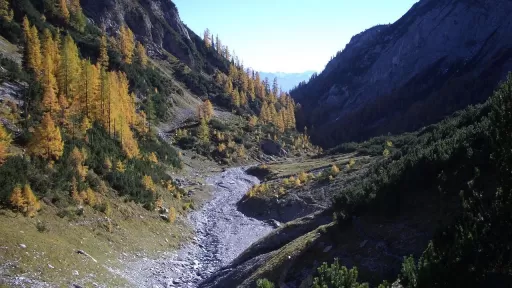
(264, 283)
(336, 276)
(14, 171)
(218, 125)
(187, 142)
(409, 274)
(14, 71)
(41, 226)
(165, 152)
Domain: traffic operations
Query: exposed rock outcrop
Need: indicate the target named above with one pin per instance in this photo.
(273, 148)
(297, 202)
(157, 24)
(439, 57)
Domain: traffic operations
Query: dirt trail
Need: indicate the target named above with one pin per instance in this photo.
(222, 233)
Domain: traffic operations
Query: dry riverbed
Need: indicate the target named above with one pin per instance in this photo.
(222, 233)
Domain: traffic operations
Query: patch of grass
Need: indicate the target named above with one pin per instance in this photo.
(134, 230)
(261, 171)
(294, 166)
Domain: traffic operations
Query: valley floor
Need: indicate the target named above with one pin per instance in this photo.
(222, 233)
(142, 250)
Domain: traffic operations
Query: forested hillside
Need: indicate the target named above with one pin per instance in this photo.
(90, 106)
(98, 97)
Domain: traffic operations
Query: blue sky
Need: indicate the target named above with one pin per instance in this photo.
(288, 35)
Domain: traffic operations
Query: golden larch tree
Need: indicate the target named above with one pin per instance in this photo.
(90, 197)
(36, 49)
(253, 120)
(16, 199)
(88, 92)
(207, 38)
(31, 203)
(127, 43)
(244, 80)
(69, 70)
(50, 50)
(65, 113)
(272, 112)
(228, 87)
(148, 183)
(74, 192)
(47, 141)
(77, 162)
(32, 52)
(121, 113)
(5, 142)
(291, 117)
(219, 78)
(203, 132)
(142, 56)
(5, 11)
(57, 43)
(243, 98)
(63, 10)
(233, 73)
(152, 158)
(265, 114)
(235, 98)
(128, 142)
(103, 59)
(49, 102)
(205, 110)
(120, 166)
(279, 121)
(104, 95)
(26, 41)
(172, 214)
(251, 90)
(85, 125)
(208, 108)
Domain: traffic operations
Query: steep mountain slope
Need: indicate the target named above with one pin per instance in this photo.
(439, 57)
(157, 24)
(287, 80)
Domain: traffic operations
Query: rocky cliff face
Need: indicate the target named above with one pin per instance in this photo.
(439, 57)
(157, 24)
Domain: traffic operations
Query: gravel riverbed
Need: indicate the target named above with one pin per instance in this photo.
(221, 234)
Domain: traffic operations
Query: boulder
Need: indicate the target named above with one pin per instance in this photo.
(271, 147)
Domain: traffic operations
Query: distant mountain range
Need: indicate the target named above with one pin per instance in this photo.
(287, 80)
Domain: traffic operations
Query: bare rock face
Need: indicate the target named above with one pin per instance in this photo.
(441, 56)
(156, 23)
(270, 147)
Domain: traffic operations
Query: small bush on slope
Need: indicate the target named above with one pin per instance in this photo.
(336, 276)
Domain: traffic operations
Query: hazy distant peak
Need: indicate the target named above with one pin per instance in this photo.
(288, 80)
